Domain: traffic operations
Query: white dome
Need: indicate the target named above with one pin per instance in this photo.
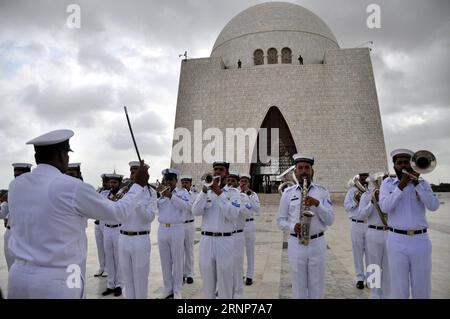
(274, 25)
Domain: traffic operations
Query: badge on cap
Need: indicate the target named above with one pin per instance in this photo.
(221, 163)
(401, 151)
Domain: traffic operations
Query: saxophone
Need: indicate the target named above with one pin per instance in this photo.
(305, 215)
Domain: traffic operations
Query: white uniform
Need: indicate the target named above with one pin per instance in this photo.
(409, 255)
(216, 242)
(307, 263)
(99, 239)
(376, 237)
(250, 234)
(239, 247)
(358, 229)
(189, 236)
(135, 246)
(111, 232)
(4, 214)
(171, 238)
(48, 232)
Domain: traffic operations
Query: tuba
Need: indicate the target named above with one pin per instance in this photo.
(422, 162)
(305, 214)
(376, 179)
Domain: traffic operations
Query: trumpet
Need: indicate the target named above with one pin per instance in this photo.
(422, 162)
(208, 179)
(354, 182)
(161, 187)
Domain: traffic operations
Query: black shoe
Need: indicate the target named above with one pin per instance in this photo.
(189, 280)
(99, 274)
(107, 292)
(249, 281)
(360, 285)
(117, 291)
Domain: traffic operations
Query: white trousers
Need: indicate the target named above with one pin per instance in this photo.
(307, 264)
(171, 252)
(100, 246)
(250, 238)
(189, 235)
(216, 266)
(238, 268)
(410, 265)
(358, 237)
(111, 244)
(8, 256)
(29, 281)
(377, 254)
(134, 255)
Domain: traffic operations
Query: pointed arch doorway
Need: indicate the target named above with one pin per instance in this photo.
(264, 174)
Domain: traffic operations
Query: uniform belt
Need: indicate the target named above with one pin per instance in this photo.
(408, 232)
(169, 225)
(313, 236)
(249, 220)
(189, 221)
(97, 222)
(357, 221)
(8, 227)
(135, 233)
(113, 226)
(238, 231)
(208, 233)
(378, 227)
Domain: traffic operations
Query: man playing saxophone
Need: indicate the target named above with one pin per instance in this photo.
(307, 261)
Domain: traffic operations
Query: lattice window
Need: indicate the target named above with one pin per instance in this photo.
(258, 57)
(272, 56)
(286, 55)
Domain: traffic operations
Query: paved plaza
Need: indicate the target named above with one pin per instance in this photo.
(272, 277)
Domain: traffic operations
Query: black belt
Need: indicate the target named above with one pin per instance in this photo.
(357, 221)
(135, 233)
(408, 232)
(313, 236)
(249, 220)
(378, 227)
(238, 231)
(113, 226)
(189, 221)
(8, 227)
(97, 222)
(208, 233)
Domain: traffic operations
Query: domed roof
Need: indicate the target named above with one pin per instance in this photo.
(274, 16)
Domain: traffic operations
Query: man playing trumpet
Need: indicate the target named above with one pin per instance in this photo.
(405, 199)
(307, 261)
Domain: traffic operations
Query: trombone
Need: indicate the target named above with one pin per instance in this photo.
(422, 162)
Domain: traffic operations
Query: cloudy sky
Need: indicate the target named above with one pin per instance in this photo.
(126, 53)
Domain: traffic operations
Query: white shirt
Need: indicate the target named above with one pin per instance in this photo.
(49, 225)
(253, 205)
(172, 210)
(350, 205)
(218, 212)
(406, 209)
(188, 213)
(290, 203)
(244, 213)
(146, 209)
(4, 211)
(367, 210)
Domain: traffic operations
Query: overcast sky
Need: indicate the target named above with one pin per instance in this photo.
(126, 53)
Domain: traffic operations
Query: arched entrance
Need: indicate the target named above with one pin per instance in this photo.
(264, 174)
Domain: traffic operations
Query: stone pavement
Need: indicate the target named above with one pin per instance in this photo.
(272, 277)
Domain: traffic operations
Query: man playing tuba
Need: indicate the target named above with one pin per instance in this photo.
(405, 199)
(307, 262)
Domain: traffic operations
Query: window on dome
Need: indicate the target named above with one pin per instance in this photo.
(258, 57)
(286, 55)
(272, 56)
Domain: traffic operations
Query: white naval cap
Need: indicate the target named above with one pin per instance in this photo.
(244, 175)
(22, 165)
(186, 177)
(114, 176)
(136, 164)
(221, 163)
(300, 157)
(74, 165)
(233, 174)
(401, 151)
(52, 140)
(170, 171)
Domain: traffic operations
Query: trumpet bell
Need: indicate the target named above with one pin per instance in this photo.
(423, 162)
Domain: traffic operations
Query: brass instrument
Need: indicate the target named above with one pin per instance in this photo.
(376, 179)
(354, 182)
(285, 184)
(161, 188)
(305, 215)
(422, 162)
(208, 179)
